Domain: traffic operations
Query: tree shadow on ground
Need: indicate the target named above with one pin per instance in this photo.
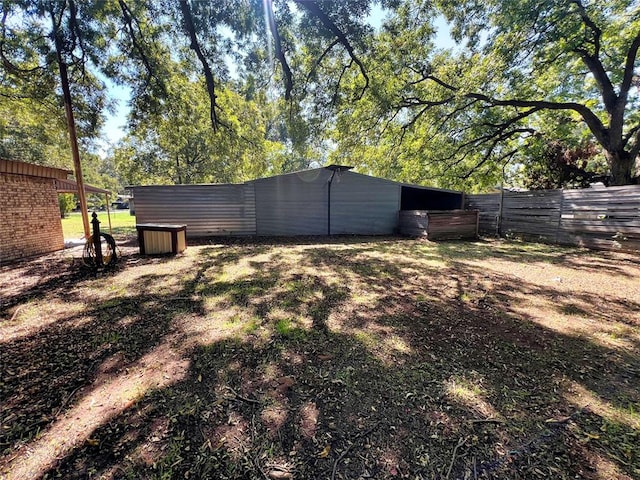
(308, 361)
(516, 251)
(56, 272)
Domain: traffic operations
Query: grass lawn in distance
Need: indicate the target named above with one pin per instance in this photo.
(122, 223)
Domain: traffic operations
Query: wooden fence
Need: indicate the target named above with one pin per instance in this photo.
(439, 224)
(604, 218)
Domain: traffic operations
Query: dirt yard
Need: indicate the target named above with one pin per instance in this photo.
(345, 358)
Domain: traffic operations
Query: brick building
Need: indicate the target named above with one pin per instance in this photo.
(30, 221)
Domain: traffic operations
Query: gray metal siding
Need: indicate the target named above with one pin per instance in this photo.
(207, 210)
(296, 204)
(289, 204)
(292, 204)
(364, 205)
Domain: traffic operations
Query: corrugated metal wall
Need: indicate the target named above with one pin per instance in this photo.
(207, 210)
(289, 204)
(364, 205)
(292, 204)
(297, 204)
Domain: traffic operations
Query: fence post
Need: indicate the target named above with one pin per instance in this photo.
(560, 215)
(477, 223)
(499, 225)
(96, 239)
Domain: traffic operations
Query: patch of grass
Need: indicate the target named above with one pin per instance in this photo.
(122, 224)
(571, 309)
(366, 338)
(252, 325)
(107, 338)
(283, 326)
(287, 329)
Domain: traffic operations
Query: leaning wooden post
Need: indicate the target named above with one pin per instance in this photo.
(96, 239)
(106, 197)
(71, 123)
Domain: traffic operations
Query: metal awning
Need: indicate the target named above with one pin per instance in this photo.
(70, 186)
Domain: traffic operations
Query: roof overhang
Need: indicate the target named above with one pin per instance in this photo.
(434, 189)
(70, 186)
(32, 170)
(338, 168)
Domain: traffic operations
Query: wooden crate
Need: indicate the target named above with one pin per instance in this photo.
(439, 224)
(155, 238)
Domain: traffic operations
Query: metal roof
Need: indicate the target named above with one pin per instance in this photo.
(425, 187)
(32, 170)
(336, 168)
(70, 186)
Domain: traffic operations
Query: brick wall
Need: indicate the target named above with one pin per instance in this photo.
(29, 217)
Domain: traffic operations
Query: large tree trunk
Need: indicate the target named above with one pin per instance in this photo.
(621, 165)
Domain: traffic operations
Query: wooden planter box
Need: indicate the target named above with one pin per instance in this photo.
(439, 224)
(155, 238)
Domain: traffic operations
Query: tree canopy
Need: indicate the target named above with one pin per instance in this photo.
(223, 91)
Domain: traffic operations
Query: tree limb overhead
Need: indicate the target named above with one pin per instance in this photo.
(195, 46)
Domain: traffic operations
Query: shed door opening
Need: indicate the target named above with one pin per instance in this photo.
(425, 199)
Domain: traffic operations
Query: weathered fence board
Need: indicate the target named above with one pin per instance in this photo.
(606, 218)
(488, 206)
(439, 225)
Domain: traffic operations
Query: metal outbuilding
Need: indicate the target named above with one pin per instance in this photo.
(320, 201)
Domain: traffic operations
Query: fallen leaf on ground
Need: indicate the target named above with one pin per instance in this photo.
(325, 452)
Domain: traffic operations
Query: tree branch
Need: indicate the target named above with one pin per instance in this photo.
(486, 157)
(492, 138)
(76, 36)
(627, 78)
(195, 46)
(591, 25)
(6, 63)
(633, 131)
(426, 105)
(417, 102)
(316, 64)
(334, 97)
(634, 151)
(511, 121)
(129, 19)
(288, 76)
(591, 119)
(440, 82)
(315, 10)
(593, 62)
(451, 114)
